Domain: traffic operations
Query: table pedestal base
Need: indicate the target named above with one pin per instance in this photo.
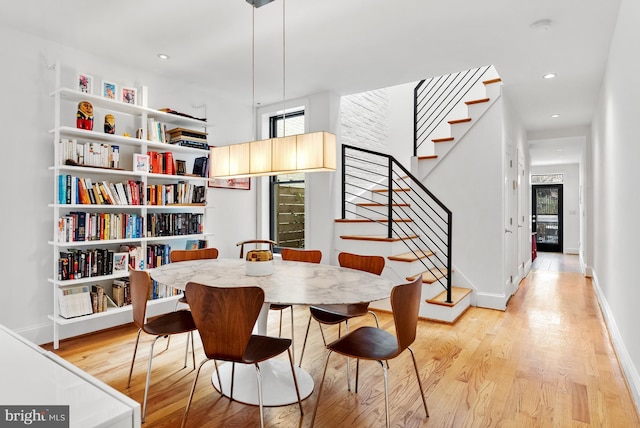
(278, 388)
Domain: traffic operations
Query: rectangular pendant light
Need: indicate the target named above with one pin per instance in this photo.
(310, 152)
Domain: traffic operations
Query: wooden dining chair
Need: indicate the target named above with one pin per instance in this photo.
(195, 254)
(336, 314)
(227, 336)
(257, 243)
(295, 255)
(376, 344)
(161, 326)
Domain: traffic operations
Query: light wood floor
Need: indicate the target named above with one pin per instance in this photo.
(546, 361)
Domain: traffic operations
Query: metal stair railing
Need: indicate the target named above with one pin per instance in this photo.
(435, 98)
(410, 209)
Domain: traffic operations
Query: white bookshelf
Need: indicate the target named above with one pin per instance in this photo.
(129, 118)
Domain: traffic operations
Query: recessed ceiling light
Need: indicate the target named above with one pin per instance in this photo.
(549, 76)
(555, 115)
(541, 25)
(163, 56)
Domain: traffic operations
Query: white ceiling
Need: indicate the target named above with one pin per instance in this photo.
(347, 46)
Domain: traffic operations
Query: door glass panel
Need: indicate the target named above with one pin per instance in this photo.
(547, 215)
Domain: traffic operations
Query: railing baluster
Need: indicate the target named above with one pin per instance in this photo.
(362, 170)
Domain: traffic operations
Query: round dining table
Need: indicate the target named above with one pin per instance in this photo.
(292, 283)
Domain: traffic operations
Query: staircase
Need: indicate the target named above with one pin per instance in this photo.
(386, 211)
(445, 109)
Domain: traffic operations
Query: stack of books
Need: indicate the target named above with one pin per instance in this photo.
(188, 138)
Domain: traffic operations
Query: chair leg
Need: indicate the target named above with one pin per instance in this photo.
(295, 380)
(415, 366)
(146, 387)
(386, 392)
(293, 343)
(218, 374)
(133, 359)
(280, 327)
(168, 337)
(357, 372)
(193, 389)
(315, 409)
(375, 317)
(186, 352)
(233, 376)
(304, 344)
(346, 327)
(259, 377)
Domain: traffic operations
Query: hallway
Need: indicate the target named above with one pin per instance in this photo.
(556, 262)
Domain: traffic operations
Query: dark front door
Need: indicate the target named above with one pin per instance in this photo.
(547, 217)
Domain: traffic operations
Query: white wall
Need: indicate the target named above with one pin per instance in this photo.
(616, 199)
(26, 223)
(571, 204)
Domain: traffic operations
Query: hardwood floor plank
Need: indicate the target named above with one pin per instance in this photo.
(546, 361)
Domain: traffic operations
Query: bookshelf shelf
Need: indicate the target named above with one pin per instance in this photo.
(136, 203)
(109, 312)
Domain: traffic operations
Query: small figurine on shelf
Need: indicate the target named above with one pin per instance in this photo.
(109, 124)
(84, 117)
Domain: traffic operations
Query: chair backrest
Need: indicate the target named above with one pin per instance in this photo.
(255, 241)
(224, 318)
(295, 255)
(372, 264)
(140, 285)
(198, 254)
(405, 304)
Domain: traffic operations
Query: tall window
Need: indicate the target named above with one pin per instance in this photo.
(286, 192)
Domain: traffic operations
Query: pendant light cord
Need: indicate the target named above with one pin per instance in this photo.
(253, 72)
(284, 129)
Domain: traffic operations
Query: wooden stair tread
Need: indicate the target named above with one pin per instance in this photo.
(395, 190)
(366, 220)
(430, 276)
(374, 204)
(480, 101)
(457, 294)
(377, 238)
(490, 81)
(427, 157)
(442, 140)
(465, 120)
(410, 256)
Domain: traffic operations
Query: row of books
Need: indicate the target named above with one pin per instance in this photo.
(88, 226)
(161, 163)
(158, 255)
(176, 193)
(174, 224)
(188, 138)
(76, 264)
(88, 153)
(80, 190)
(156, 131)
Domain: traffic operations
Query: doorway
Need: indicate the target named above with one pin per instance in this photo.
(546, 218)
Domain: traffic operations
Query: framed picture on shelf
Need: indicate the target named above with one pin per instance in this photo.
(85, 83)
(181, 167)
(129, 95)
(140, 162)
(120, 262)
(109, 90)
(243, 183)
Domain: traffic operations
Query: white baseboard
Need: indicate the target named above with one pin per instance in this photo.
(491, 301)
(628, 368)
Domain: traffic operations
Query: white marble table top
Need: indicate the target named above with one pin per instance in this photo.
(295, 283)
